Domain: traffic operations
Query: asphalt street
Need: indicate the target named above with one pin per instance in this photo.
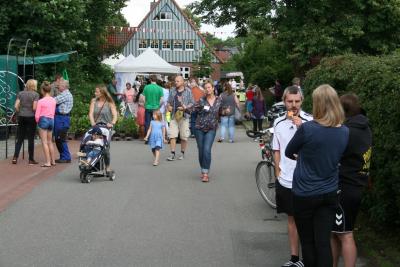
(148, 216)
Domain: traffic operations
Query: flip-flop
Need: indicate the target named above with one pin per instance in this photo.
(45, 166)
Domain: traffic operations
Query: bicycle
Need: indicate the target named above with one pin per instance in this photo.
(265, 170)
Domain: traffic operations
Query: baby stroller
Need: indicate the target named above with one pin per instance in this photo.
(91, 154)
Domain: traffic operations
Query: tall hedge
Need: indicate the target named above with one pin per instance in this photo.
(376, 80)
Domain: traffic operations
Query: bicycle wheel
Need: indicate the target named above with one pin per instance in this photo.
(265, 179)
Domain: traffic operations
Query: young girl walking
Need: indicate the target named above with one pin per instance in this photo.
(156, 135)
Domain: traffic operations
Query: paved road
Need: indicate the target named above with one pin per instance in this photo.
(149, 216)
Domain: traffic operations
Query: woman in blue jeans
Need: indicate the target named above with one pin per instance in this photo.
(208, 108)
(318, 146)
(229, 100)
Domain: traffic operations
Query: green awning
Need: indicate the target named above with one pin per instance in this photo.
(51, 58)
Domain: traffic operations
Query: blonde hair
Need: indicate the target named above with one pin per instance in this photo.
(157, 114)
(327, 109)
(210, 81)
(31, 85)
(104, 93)
(258, 93)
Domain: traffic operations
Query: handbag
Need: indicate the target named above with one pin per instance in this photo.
(238, 115)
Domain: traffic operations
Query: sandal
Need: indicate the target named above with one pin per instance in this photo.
(205, 178)
(45, 166)
(155, 163)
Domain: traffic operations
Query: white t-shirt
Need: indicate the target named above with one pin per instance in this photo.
(284, 130)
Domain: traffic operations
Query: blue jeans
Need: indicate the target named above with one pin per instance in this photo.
(193, 117)
(228, 122)
(61, 126)
(148, 116)
(205, 141)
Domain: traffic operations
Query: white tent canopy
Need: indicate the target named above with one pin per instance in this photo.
(113, 60)
(126, 64)
(147, 62)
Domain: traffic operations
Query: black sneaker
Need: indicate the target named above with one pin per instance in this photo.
(33, 162)
(293, 264)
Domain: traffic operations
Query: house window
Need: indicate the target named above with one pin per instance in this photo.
(185, 72)
(166, 44)
(142, 44)
(189, 45)
(155, 44)
(178, 44)
(165, 16)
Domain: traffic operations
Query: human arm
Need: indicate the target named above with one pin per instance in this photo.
(17, 105)
(34, 105)
(148, 133)
(37, 112)
(294, 146)
(277, 159)
(164, 134)
(114, 115)
(91, 111)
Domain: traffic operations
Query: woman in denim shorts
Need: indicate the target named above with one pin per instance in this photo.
(44, 117)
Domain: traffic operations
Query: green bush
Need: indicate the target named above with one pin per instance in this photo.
(376, 81)
(126, 126)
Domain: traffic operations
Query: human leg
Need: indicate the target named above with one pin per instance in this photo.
(231, 127)
(207, 145)
(43, 138)
(184, 133)
(224, 126)
(303, 215)
(323, 219)
(349, 249)
(293, 236)
(31, 131)
(200, 143)
(259, 124)
(254, 125)
(20, 136)
(61, 126)
(148, 115)
(51, 147)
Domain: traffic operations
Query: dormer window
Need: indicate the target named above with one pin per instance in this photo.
(143, 44)
(165, 14)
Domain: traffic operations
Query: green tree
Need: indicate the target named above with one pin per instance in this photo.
(311, 29)
(202, 64)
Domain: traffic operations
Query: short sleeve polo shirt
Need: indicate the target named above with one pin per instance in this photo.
(284, 130)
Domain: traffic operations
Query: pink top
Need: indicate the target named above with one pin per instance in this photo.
(129, 94)
(46, 107)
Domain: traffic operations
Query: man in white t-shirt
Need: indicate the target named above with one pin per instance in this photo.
(284, 129)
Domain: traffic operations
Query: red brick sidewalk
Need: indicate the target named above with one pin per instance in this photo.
(18, 180)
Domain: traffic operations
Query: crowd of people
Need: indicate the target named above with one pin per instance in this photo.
(51, 114)
(321, 159)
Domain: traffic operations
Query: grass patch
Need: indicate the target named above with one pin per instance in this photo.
(380, 247)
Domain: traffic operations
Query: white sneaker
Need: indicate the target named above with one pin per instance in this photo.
(181, 156)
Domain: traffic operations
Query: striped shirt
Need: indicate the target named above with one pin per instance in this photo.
(65, 102)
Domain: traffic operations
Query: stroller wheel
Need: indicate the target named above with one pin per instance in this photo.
(82, 176)
(88, 178)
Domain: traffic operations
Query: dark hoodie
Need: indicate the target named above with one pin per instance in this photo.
(354, 165)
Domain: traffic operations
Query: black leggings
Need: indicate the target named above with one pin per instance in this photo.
(257, 122)
(26, 126)
(314, 217)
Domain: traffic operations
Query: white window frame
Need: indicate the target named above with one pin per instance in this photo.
(140, 43)
(179, 49)
(155, 42)
(165, 48)
(185, 73)
(186, 45)
(165, 15)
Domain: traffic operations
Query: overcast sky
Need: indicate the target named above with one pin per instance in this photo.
(136, 10)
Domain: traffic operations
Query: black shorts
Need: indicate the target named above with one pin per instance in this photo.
(284, 199)
(349, 204)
